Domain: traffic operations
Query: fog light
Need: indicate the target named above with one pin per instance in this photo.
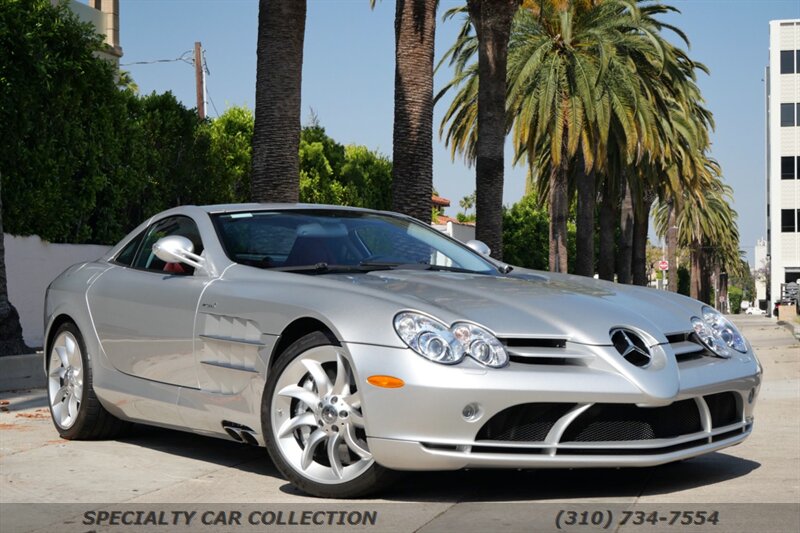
(471, 412)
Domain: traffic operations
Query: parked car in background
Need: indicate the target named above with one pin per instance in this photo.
(351, 343)
(754, 310)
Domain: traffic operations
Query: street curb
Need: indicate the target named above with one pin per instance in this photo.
(21, 372)
(794, 329)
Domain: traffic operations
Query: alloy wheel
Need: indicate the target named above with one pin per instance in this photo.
(317, 422)
(65, 380)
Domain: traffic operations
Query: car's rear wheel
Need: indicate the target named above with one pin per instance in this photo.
(312, 417)
(76, 411)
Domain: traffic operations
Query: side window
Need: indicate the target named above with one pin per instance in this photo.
(125, 257)
(180, 225)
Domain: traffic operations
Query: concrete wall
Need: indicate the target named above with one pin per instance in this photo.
(31, 264)
(461, 232)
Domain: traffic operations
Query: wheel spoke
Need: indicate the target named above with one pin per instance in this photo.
(319, 376)
(354, 400)
(306, 419)
(299, 393)
(58, 412)
(308, 452)
(73, 355)
(62, 355)
(356, 419)
(342, 380)
(352, 442)
(72, 405)
(59, 396)
(333, 454)
(78, 391)
(58, 372)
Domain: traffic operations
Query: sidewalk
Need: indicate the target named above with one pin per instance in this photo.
(22, 372)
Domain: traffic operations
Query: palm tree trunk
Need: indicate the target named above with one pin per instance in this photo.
(704, 291)
(672, 248)
(492, 22)
(412, 170)
(608, 223)
(587, 202)
(559, 210)
(625, 249)
(696, 271)
(279, 69)
(725, 306)
(11, 342)
(641, 222)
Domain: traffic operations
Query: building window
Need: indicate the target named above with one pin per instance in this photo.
(787, 168)
(788, 220)
(787, 115)
(787, 61)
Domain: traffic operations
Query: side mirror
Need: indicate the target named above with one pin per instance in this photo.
(177, 249)
(480, 247)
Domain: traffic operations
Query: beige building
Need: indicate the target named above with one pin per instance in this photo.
(783, 156)
(104, 16)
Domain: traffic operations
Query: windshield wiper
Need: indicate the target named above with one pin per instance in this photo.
(325, 268)
(417, 266)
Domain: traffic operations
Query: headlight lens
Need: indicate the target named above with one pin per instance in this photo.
(718, 333)
(480, 344)
(436, 342)
(429, 338)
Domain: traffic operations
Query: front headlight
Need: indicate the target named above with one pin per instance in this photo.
(436, 342)
(718, 333)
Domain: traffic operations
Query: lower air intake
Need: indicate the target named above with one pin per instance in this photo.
(617, 422)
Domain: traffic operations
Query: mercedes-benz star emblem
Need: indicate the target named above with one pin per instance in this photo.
(631, 347)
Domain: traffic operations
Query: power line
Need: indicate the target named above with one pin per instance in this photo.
(185, 57)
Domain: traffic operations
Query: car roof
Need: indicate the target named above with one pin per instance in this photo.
(236, 208)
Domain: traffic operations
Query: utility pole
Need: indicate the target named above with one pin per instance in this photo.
(200, 80)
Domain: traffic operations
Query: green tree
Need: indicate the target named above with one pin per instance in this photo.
(526, 234)
(58, 115)
(279, 69)
(331, 173)
(229, 138)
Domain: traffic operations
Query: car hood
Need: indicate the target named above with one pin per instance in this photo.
(535, 304)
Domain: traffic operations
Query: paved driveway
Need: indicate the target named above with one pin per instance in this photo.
(154, 465)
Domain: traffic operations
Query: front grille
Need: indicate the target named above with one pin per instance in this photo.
(724, 409)
(529, 422)
(617, 422)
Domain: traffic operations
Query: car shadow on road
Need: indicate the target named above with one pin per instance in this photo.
(474, 485)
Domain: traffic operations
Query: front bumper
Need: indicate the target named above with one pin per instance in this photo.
(606, 414)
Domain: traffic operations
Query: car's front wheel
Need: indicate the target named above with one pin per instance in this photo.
(76, 411)
(313, 422)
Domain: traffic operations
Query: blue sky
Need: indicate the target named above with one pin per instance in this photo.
(348, 76)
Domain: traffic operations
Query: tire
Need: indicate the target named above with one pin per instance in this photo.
(77, 413)
(313, 425)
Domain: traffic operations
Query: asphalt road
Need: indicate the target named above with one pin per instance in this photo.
(153, 466)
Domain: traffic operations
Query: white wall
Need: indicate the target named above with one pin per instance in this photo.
(31, 264)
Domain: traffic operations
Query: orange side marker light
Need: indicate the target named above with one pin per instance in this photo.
(386, 382)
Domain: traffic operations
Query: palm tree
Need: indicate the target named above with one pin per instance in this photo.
(706, 225)
(276, 132)
(11, 342)
(412, 155)
(492, 22)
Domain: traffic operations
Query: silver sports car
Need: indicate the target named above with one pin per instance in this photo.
(354, 343)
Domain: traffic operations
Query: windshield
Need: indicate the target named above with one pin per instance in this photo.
(327, 240)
